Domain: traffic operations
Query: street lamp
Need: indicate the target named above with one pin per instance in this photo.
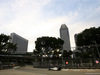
(42, 56)
(97, 48)
(62, 57)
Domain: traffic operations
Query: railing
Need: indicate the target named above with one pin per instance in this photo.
(72, 64)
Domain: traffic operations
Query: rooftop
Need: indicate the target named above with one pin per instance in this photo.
(63, 26)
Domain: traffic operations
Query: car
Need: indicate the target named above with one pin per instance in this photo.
(54, 67)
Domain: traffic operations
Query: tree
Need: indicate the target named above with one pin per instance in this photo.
(85, 53)
(3, 42)
(88, 36)
(86, 39)
(5, 45)
(11, 48)
(67, 54)
(47, 44)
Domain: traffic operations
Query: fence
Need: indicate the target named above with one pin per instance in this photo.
(69, 63)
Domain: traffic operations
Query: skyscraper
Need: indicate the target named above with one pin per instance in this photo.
(64, 35)
(21, 42)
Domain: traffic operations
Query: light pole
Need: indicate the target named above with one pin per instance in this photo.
(93, 54)
(42, 59)
(97, 48)
(42, 56)
(62, 57)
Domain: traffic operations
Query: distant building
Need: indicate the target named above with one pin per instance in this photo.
(22, 43)
(64, 35)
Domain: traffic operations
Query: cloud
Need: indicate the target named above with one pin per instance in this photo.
(21, 17)
(35, 18)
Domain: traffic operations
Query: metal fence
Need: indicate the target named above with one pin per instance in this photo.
(69, 63)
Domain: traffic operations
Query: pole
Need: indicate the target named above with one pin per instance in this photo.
(62, 58)
(42, 56)
(93, 54)
(42, 60)
(97, 49)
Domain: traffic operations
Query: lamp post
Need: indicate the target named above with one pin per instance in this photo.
(42, 56)
(97, 48)
(62, 58)
(93, 54)
(42, 59)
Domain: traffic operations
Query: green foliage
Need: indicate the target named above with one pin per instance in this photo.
(47, 44)
(67, 54)
(87, 38)
(11, 48)
(5, 45)
(3, 41)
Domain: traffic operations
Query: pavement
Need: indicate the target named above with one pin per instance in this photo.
(86, 70)
(14, 72)
(29, 70)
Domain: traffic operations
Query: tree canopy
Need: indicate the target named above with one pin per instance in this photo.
(88, 42)
(5, 45)
(67, 54)
(88, 36)
(47, 44)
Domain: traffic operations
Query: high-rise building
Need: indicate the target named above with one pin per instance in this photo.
(22, 43)
(64, 35)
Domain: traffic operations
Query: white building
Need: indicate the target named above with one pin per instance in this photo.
(64, 35)
(22, 43)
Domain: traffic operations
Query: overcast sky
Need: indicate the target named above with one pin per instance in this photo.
(36, 18)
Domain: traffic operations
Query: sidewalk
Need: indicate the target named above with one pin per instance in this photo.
(15, 72)
(88, 70)
(29, 70)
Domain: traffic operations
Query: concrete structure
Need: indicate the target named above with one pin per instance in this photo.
(64, 35)
(22, 43)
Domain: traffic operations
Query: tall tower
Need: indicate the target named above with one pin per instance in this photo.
(64, 35)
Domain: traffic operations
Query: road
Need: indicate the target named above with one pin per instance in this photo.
(29, 70)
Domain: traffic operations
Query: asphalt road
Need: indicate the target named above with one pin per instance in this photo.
(29, 70)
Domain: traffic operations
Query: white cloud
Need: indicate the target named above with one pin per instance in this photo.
(26, 18)
(25, 15)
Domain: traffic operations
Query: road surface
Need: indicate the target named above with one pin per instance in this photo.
(29, 70)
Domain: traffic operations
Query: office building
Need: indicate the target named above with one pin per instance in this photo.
(22, 43)
(64, 35)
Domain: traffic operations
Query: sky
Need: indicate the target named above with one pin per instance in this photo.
(36, 18)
